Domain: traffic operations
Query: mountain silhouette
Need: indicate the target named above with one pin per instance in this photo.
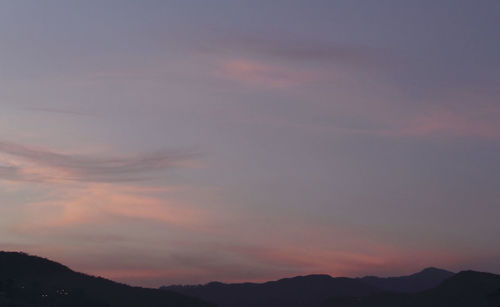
(33, 281)
(465, 289)
(297, 291)
(423, 280)
(30, 281)
(309, 290)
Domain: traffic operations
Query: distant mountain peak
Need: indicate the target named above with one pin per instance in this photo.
(464, 289)
(427, 278)
(434, 270)
(308, 277)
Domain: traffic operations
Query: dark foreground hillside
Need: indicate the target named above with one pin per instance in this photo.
(33, 281)
(303, 291)
(309, 291)
(465, 289)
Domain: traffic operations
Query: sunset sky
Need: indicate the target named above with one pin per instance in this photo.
(159, 142)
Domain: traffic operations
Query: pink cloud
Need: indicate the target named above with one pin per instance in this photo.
(388, 118)
(31, 164)
(99, 203)
(475, 122)
(260, 74)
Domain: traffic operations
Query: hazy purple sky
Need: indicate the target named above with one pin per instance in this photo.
(159, 142)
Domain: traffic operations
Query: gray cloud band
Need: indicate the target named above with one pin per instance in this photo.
(87, 168)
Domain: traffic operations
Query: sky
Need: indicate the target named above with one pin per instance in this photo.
(176, 142)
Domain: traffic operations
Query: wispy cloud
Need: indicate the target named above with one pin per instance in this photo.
(298, 50)
(478, 122)
(11, 173)
(27, 163)
(103, 203)
(58, 111)
(260, 74)
(277, 62)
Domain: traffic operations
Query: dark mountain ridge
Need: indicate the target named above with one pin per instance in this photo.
(297, 291)
(29, 281)
(310, 290)
(465, 289)
(423, 280)
(33, 281)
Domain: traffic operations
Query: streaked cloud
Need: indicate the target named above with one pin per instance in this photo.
(101, 203)
(12, 173)
(260, 74)
(460, 119)
(29, 163)
(58, 111)
(298, 50)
